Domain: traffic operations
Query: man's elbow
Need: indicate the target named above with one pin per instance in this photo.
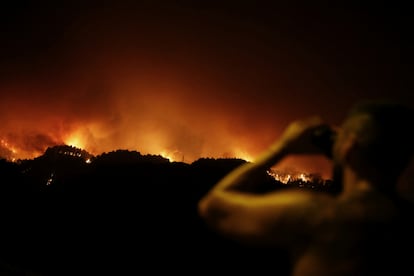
(204, 207)
(209, 210)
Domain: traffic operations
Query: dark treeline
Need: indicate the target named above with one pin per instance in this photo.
(120, 213)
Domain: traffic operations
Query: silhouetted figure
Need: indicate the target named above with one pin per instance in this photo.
(364, 229)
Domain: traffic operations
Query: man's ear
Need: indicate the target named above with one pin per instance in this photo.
(348, 147)
(351, 154)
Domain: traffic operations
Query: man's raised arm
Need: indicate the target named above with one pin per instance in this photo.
(234, 209)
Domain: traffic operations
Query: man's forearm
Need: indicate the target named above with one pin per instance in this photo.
(247, 176)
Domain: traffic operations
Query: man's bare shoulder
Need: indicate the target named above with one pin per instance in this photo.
(298, 214)
(297, 198)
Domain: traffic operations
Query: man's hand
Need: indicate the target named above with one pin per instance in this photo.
(298, 138)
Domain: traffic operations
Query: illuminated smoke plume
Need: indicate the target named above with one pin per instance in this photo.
(184, 81)
(158, 118)
(120, 79)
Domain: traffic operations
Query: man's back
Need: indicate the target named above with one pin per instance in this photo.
(361, 234)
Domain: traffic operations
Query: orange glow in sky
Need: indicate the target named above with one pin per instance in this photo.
(182, 80)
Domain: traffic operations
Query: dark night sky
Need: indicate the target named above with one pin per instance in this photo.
(190, 79)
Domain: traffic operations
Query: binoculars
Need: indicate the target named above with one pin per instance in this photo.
(324, 137)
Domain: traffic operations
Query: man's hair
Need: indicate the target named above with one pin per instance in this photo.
(385, 138)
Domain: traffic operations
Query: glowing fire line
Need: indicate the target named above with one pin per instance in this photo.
(285, 178)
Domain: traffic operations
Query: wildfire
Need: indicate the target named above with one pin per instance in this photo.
(7, 150)
(75, 140)
(6, 145)
(289, 177)
(173, 156)
(243, 155)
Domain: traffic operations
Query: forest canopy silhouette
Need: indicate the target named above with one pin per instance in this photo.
(68, 211)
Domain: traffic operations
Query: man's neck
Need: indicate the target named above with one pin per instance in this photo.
(352, 183)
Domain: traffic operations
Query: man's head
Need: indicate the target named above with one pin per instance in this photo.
(376, 140)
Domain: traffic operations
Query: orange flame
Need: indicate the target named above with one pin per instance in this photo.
(75, 140)
(285, 178)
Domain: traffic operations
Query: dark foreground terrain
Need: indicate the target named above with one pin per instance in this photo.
(119, 213)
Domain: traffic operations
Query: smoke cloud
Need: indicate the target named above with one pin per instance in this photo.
(182, 80)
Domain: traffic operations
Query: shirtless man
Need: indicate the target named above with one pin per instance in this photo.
(360, 231)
